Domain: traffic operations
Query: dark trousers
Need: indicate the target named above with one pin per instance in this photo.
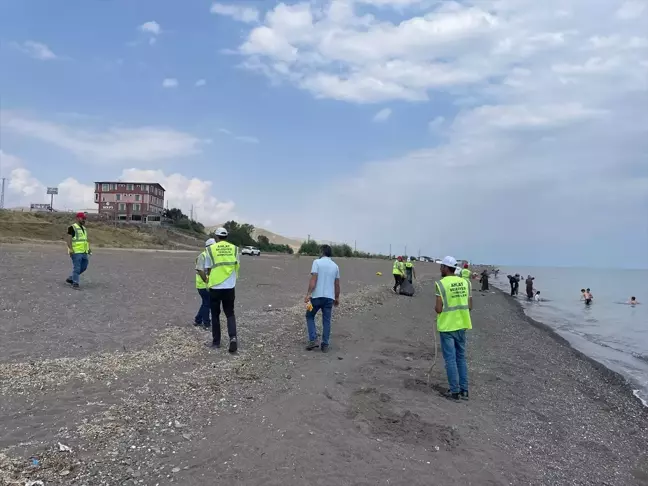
(203, 311)
(398, 280)
(225, 297)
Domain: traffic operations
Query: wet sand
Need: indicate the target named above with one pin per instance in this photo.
(117, 372)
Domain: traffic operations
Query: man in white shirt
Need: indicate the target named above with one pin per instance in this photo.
(323, 293)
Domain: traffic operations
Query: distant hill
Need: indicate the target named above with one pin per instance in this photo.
(294, 243)
(18, 226)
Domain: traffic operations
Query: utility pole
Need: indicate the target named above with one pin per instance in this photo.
(405, 250)
(355, 246)
(390, 255)
(2, 189)
(308, 240)
(191, 217)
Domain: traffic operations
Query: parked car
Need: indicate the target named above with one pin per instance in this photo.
(250, 250)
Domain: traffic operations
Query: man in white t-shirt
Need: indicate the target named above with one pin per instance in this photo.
(323, 293)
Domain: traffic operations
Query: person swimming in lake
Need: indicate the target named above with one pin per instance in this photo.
(633, 301)
(588, 297)
(536, 297)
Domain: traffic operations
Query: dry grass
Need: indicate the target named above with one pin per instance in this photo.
(17, 227)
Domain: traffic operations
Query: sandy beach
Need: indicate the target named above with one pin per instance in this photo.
(118, 373)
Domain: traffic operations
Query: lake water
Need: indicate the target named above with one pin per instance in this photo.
(610, 331)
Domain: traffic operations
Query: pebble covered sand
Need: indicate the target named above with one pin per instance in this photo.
(113, 385)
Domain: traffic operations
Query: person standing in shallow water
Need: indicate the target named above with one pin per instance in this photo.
(453, 306)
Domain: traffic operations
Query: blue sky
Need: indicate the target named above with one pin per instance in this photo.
(502, 131)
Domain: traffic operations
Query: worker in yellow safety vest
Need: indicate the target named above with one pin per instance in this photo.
(399, 272)
(465, 273)
(78, 249)
(202, 318)
(409, 269)
(221, 271)
(453, 306)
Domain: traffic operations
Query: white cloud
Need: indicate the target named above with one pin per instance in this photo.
(200, 83)
(37, 50)
(382, 116)
(435, 124)
(183, 192)
(239, 138)
(116, 144)
(538, 103)
(237, 12)
(631, 10)
(8, 162)
(170, 83)
(151, 27)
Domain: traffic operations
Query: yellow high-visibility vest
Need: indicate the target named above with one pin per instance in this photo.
(465, 273)
(200, 283)
(409, 265)
(80, 239)
(454, 292)
(224, 262)
(398, 268)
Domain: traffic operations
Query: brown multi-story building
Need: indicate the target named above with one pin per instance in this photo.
(130, 201)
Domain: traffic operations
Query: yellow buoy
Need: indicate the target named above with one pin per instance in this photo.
(379, 273)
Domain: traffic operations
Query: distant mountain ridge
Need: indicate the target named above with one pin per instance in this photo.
(294, 243)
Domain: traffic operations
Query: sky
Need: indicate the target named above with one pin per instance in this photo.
(503, 131)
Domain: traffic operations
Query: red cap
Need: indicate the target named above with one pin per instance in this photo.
(81, 215)
(465, 265)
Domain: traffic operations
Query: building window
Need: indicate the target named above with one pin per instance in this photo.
(122, 207)
(129, 187)
(113, 187)
(145, 187)
(118, 197)
(137, 197)
(96, 197)
(105, 187)
(136, 207)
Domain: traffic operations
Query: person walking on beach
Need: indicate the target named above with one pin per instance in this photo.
(78, 249)
(222, 267)
(484, 281)
(409, 269)
(529, 287)
(465, 272)
(323, 293)
(202, 317)
(453, 306)
(398, 271)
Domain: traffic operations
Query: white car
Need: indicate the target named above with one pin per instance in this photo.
(250, 250)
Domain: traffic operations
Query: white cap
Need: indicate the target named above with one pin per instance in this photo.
(221, 232)
(209, 242)
(449, 262)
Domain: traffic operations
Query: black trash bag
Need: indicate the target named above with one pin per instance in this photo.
(406, 288)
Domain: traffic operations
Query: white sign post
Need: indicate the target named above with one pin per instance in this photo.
(52, 191)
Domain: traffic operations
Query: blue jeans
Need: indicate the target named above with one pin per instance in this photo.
(79, 265)
(203, 311)
(326, 305)
(453, 347)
